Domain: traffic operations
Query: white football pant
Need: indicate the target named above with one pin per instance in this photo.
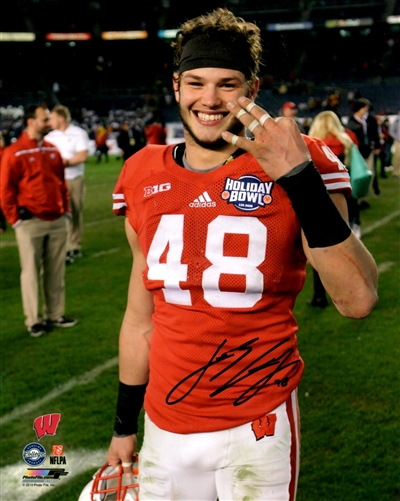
(230, 465)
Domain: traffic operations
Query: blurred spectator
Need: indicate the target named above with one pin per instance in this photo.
(6, 136)
(3, 225)
(365, 127)
(73, 144)
(307, 124)
(388, 145)
(130, 139)
(394, 131)
(332, 103)
(328, 127)
(155, 132)
(374, 140)
(34, 198)
(385, 155)
(100, 138)
(289, 110)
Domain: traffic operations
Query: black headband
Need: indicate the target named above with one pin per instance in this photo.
(218, 51)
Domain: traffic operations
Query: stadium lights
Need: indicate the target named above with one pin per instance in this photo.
(70, 37)
(17, 37)
(393, 19)
(167, 33)
(290, 26)
(124, 35)
(349, 23)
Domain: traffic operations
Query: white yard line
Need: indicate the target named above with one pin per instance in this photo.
(77, 462)
(104, 253)
(100, 221)
(372, 227)
(385, 266)
(8, 244)
(85, 225)
(85, 378)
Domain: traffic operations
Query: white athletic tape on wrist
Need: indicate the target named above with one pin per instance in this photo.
(240, 113)
(264, 118)
(250, 106)
(126, 465)
(253, 125)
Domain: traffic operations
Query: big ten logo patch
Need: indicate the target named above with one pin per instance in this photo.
(157, 188)
(264, 426)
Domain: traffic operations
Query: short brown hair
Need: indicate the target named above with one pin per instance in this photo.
(30, 111)
(63, 111)
(223, 21)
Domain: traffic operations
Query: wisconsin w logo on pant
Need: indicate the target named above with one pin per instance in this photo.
(264, 426)
(46, 425)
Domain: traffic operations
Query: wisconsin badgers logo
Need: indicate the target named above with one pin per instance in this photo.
(264, 426)
(46, 425)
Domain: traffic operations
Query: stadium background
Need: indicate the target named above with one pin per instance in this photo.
(350, 392)
(299, 64)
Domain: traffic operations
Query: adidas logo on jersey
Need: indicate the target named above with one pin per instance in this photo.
(203, 200)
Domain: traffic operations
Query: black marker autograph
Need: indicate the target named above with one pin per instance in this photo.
(277, 363)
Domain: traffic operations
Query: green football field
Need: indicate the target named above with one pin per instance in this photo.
(349, 395)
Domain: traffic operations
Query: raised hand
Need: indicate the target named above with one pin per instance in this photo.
(277, 146)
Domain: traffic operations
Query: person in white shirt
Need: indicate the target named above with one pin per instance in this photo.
(394, 132)
(73, 143)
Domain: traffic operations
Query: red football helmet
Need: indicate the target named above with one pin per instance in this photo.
(111, 484)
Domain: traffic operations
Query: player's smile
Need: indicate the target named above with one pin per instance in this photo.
(202, 95)
(210, 118)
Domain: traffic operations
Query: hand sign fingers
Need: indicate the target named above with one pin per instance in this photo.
(277, 146)
(251, 115)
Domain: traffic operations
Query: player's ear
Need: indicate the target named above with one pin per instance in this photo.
(254, 89)
(175, 85)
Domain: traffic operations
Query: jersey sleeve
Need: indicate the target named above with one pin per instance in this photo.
(119, 203)
(121, 206)
(333, 172)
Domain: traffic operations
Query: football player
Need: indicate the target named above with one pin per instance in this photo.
(221, 228)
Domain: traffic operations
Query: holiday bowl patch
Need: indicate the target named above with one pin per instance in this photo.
(248, 193)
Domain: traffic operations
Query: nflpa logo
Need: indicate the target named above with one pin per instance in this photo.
(57, 450)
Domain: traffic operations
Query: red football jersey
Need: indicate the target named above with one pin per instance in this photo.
(225, 264)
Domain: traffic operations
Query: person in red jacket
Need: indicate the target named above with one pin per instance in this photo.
(34, 198)
(155, 132)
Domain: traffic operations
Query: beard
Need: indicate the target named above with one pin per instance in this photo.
(44, 130)
(208, 144)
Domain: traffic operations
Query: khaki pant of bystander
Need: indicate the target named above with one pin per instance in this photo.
(42, 247)
(370, 163)
(76, 188)
(396, 159)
